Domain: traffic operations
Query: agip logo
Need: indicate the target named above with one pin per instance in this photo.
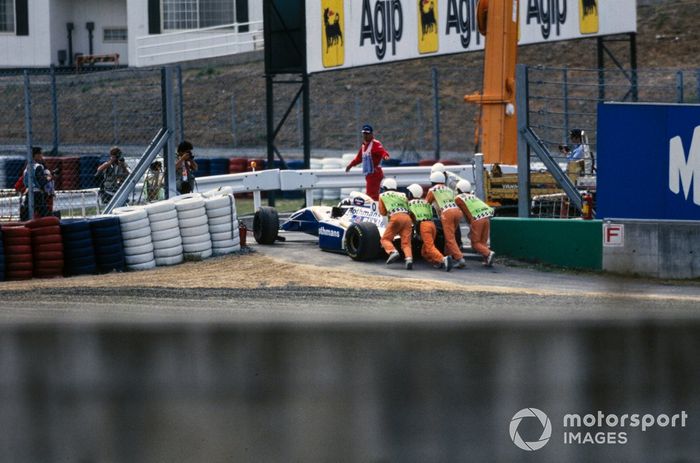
(332, 28)
(588, 16)
(427, 26)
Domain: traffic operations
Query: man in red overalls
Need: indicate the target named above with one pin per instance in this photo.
(370, 156)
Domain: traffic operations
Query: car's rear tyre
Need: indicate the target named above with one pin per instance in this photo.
(362, 241)
(266, 224)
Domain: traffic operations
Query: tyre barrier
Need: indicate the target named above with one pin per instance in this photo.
(78, 248)
(87, 169)
(136, 236)
(107, 239)
(203, 167)
(11, 168)
(218, 166)
(165, 233)
(17, 243)
(47, 247)
(70, 173)
(194, 229)
(223, 223)
(2, 258)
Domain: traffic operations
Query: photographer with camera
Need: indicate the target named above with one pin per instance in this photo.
(113, 172)
(185, 167)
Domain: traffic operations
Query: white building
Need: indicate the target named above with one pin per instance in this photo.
(39, 33)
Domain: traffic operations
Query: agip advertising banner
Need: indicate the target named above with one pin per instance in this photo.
(648, 161)
(348, 33)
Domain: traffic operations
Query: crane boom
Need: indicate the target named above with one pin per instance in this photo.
(498, 22)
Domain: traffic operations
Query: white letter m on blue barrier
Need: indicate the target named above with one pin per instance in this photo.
(682, 172)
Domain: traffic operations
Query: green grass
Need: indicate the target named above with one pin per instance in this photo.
(244, 206)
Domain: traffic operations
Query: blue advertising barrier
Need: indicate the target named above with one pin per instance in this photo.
(648, 161)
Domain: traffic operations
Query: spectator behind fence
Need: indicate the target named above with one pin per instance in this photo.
(112, 173)
(185, 167)
(153, 184)
(41, 183)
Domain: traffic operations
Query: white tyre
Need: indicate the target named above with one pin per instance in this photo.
(159, 207)
(227, 235)
(192, 213)
(174, 260)
(130, 214)
(193, 221)
(145, 266)
(194, 231)
(165, 244)
(199, 255)
(137, 250)
(145, 231)
(138, 241)
(196, 247)
(221, 211)
(221, 191)
(165, 225)
(228, 218)
(168, 252)
(221, 228)
(139, 258)
(166, 215)
(226, 243)
(188, 203)
(196, 239)
(134, 225)
(186, 196)
(217, 202)
(166, 234)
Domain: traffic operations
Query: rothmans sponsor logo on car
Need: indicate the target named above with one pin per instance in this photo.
(327, 232)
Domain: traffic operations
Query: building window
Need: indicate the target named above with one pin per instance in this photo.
(195, 14)
(114, 34)
(7, 15)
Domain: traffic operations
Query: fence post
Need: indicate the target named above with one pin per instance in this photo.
(234, 125)
(436, 112)
(181, 104)
(166, 84)
(697, 84)
(54, 110)
(479, 176)
(300, 124)
(28, 128)
(679, 86)
(566, 104)
(521, 101)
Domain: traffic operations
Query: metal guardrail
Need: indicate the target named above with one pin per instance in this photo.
(207, 42)
(86, 201)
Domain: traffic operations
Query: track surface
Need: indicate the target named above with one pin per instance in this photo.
(476, 294)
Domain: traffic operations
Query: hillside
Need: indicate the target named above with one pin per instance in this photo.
(396, 98)
(224, 103)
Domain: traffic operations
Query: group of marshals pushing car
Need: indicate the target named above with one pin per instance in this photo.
(403, 211)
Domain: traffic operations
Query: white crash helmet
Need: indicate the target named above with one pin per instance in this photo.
(415, 190)
(463, 186)
(437, 177)
(438, 167)
(389, 184)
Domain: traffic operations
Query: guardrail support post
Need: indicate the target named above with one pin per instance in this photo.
(479, 175)
(309, 197)
(257, 200)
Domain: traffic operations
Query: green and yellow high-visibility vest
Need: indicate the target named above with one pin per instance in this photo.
(420, 209)
(444, 197)
(394, 202)
(477, 208)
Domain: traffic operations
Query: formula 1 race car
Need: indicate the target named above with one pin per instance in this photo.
(353, 227)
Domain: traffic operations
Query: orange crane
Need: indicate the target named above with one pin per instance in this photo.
(498, 22)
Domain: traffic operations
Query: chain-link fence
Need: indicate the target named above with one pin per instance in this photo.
(76, 118)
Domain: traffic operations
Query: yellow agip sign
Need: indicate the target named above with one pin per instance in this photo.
(350, 33)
